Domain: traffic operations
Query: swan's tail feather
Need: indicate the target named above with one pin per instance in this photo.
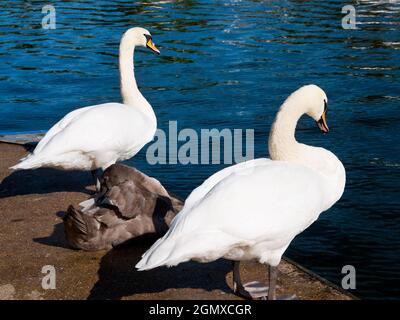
(157, 255)
(33, 161)
(81, 230)
(75, 222)
(29, 162)
(171, 251)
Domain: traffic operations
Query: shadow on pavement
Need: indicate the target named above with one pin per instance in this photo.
(44, 181)
(119, 278)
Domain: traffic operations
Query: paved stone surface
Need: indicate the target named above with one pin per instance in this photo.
(32, 236)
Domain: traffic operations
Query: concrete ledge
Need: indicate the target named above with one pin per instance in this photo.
(32, 236)
(22, 138)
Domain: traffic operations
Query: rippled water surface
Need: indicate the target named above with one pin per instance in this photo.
(230, 64)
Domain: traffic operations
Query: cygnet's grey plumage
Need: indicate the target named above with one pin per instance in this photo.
(129, 204)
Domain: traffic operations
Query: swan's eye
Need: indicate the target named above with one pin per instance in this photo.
(325, 106)
(147, 37)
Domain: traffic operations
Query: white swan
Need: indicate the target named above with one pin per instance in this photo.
(253, 210)
(98, 136)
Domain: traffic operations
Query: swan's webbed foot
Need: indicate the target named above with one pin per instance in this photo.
(251, 290)
(287, 297)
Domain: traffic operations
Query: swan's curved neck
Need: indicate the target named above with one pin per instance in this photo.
(283, 146)
(129, 90)
(282, 143)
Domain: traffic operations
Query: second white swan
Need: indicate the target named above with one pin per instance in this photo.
(98, 136)
(253, 210)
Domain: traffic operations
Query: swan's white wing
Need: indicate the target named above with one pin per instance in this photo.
(105, 133)
(111, 126)
(198, 193)
(262, 203)
(267, 204)
(60, 125)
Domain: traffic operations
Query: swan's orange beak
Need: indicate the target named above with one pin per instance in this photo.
(150, 44)
(322, 125)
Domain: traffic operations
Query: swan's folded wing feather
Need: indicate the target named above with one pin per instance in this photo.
(105, 129)
(107, 217)
(60, 125)
(198, 193)
(270, 201)
(131, 200)
(267, 204)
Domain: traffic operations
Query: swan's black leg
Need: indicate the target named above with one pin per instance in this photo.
(273, 277)
(256, 289)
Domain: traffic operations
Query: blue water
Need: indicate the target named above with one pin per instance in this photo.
(230, 64)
